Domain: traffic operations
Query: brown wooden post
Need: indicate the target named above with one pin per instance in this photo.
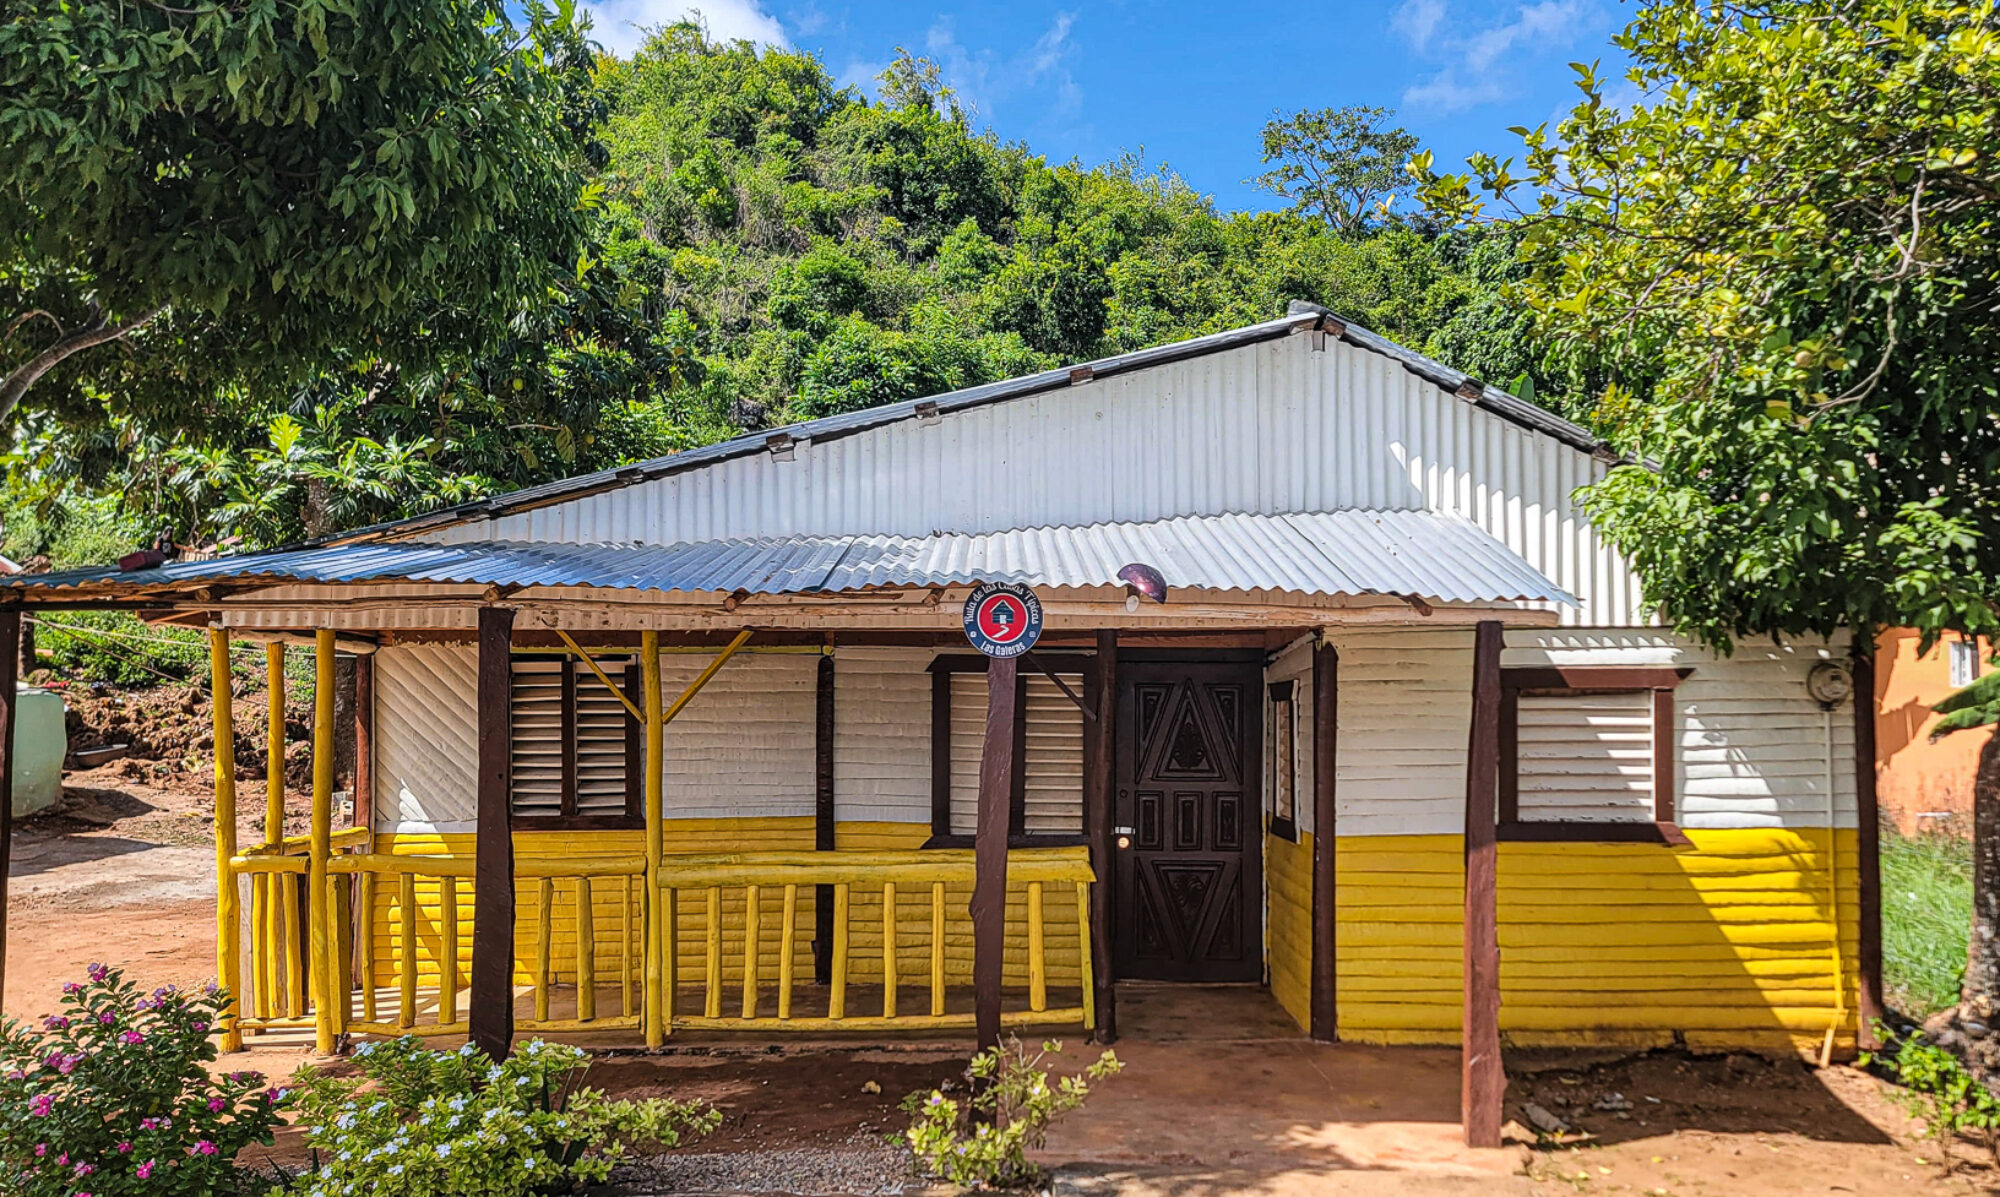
(989, 887)
(1326, 758)
(1868, 839)
(1098, 818)
(823, 819)
(364, 741)
(492, 974)
(10, 657)
(1484, 1083)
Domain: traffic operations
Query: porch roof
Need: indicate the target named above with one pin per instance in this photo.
(1420, 554)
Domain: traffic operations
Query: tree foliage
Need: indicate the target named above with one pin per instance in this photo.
(241, 193)
(759, 245)
(1782, 256)
(1339, 164)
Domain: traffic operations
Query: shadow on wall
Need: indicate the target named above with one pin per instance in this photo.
(1922, 786)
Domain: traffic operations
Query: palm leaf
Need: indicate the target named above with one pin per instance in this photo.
(1977, 705)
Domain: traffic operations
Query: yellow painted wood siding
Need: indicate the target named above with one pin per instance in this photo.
(1288, 877)
(1728, 944)
(718, 835)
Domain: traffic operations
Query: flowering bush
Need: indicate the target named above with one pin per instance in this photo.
(1008, 1115)
(110, 1097)
(418, 1123)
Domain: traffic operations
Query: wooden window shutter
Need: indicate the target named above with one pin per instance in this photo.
(576, 750)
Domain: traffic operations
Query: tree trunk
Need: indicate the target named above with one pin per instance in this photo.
(1981, 994)
(16, 382)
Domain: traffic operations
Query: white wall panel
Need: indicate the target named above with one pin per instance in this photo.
(1267, 428)
(743, 748)
(882, 735)
(426, 737)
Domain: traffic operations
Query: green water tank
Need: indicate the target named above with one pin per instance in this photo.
(40, 743)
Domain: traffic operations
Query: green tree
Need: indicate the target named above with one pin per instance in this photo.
(1783, 257)
(237, 191)
(1343, 165)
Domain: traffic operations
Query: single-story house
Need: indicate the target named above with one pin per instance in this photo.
(701, 743)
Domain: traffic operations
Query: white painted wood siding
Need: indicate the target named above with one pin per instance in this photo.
(426, 738)
(1585, 758)
(743, 748)
(882, 735)
(1267, 428)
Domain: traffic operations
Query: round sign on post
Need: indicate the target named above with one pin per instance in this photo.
(1003, 619)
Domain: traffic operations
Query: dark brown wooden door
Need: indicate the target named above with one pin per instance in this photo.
(1188, 881)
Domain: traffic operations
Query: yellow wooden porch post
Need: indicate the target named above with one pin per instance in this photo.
(656, 1023)
(227, 945)
(325, 987)
(266, 904)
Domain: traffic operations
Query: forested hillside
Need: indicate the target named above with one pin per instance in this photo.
(764, 246)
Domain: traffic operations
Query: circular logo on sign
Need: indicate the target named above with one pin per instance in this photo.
(1003, 619)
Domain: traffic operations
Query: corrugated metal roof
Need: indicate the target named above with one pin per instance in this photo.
(1352, 552)
(1300, 318)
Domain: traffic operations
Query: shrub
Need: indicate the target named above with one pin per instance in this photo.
(985, 1142)
(116, 647)
(110, 1097)
(417, 1123)
(1937, 1088)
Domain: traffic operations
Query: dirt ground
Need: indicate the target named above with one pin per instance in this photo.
(121, 871)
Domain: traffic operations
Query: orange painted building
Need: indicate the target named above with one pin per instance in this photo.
(1923, 786)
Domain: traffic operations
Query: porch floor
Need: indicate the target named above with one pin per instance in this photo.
(1220, 1082)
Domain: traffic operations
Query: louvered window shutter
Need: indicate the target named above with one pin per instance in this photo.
(576, 754)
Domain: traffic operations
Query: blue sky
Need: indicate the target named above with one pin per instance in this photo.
(1192, 84)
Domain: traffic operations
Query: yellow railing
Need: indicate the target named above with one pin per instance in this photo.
(699, 882)
(304, 964)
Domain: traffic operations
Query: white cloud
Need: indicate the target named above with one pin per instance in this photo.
(1480, 63)
(983, 78)
(1417, 20)
(620, 25)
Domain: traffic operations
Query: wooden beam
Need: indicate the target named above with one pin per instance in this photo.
(1098, 818)
(823, 817)
(491, 1015)
(658, 1019)
(364, 743)
(997, 766)
(1484, 1082)
(1868, 839)
(1326, 759)
(12, 649)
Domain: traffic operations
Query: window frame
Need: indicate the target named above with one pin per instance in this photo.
(1568, 681)
(576, 673)
(1967, 650)
(1284, 693)
(941, 669)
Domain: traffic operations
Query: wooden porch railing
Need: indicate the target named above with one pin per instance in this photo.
(921, 875)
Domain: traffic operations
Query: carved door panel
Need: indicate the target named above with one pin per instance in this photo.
(1188, 881)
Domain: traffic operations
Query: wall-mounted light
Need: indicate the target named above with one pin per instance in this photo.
(1142, 581)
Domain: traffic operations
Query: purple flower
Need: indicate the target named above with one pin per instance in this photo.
(124, 1147)
(85, 1169)
(202, 1147)
(41, 1149)
(200, 1027)
(99, 971)
(145, 1170)
(55, 1022)
(43, 1105)
(131, 1037)
(149, 1124)
(72, 988)
(215, 1105)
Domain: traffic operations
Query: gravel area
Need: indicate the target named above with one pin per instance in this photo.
(863, 1166)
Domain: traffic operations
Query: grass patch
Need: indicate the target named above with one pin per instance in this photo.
(1926, 919)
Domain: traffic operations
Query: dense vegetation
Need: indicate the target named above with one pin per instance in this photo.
(763, 246)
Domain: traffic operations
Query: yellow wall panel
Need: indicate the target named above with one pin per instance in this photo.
(1729, 943)
(1288, 878)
